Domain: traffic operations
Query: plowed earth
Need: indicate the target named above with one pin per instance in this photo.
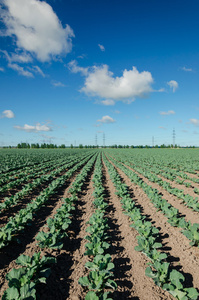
(130, 265)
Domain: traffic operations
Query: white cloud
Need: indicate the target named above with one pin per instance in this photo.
(2, 69)
(20, 70)
(100, 82)
(37, 69)
(106, 120)
(82, 56)
(187, 69)
(173, 85)
(167, 113)
(57, 83)
(8, 114)
(108, 102)
(20, 58)
(194, 122)
(74, 68)
(36, 28)
(101, 47)
(160, 90)
(37, 128)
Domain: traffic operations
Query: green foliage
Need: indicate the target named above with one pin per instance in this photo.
(23, 281)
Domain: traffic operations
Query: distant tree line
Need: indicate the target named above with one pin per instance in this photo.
(37, 146)
(54, 146)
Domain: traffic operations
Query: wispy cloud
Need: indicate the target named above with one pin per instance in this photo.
(31, 128)
(167, 113)
(108, 102)
(101, 47)
(37, 70)
(82, 56)
(74, 68)
(106, 120)
(36, 28)
(162, 127)
(2, 69)
(173, 85)
(187, 69)
(195, 122)
(20, 70)
(22, 57)
(57, 83)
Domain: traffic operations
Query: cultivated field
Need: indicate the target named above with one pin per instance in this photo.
(99, 224)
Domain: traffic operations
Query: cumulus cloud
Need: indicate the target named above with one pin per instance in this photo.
(20, 70)
(173, 85)
(101, 47)
(167, 113)
(106, 120)
(100, 82)
(8, 114)
(74, 68)
(194, 122)
(31, 128)
(36, 28)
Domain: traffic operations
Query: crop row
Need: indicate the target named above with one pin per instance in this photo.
(24, 217)
(160, 270)
(191, 231)
(9, 182)
(100, 266)
(28, 188)
(187, 199)
(23, 281)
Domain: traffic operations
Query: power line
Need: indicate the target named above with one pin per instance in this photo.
(174, 135)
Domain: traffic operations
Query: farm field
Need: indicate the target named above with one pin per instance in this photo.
(99, 224)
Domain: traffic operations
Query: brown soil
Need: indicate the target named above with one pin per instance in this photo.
(187, 190)
(11, 211)
(28, 244)
(130, 265)
(180, 254)
(189, 214)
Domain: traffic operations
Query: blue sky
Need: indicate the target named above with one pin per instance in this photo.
(71, 71)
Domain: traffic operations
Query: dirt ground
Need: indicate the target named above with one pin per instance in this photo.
(130, 265)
